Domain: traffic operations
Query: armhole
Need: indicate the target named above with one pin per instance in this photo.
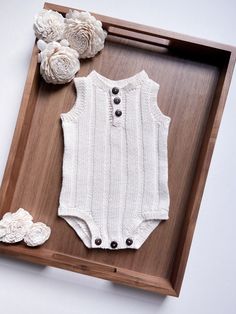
(80, 101)
(157, 114)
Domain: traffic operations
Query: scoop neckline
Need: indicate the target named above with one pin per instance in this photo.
(125, 83)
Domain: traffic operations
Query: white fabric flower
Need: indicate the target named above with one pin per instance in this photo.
(84, 33)
(14, 226)
(3, 230)
(59, 63)
(37, 234)
(48, 25)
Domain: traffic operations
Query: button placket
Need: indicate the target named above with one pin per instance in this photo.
(117, 105)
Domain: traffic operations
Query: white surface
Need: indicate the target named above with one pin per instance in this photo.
(209, 283)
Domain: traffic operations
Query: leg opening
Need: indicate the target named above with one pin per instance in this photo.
(82, 224)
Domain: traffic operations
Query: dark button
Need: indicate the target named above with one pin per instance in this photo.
(98, 241)
(115, 90)
(118, 113)
(116, 100)
(129, 241)
(114, 244)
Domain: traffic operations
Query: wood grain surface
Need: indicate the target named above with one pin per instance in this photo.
(194, 77)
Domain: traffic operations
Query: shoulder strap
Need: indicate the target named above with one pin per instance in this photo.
(82, 89)
(158, 115)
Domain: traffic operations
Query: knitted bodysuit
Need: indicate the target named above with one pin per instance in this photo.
(115, 164)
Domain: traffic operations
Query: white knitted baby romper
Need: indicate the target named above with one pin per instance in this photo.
(115, 163)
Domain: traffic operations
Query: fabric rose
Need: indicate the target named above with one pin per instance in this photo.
(59, 63)
(3, 230)
(48, 25)
(37, 234)
(84, 33)
(14, 226)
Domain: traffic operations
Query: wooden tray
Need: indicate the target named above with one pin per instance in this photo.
(194, 76)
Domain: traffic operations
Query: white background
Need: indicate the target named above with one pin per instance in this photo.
(210, 280)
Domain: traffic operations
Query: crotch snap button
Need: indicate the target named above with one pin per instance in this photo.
(114, 244)
(129, 241)
(98, 241)
(116, 100)
(115, 90)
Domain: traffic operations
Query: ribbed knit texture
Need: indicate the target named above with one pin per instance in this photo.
(115, 169)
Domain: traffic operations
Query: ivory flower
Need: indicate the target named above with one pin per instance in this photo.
(37, 234)
(59, 63)
(49, 25)
(3, 230)
(84, 33)
(14, 226)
